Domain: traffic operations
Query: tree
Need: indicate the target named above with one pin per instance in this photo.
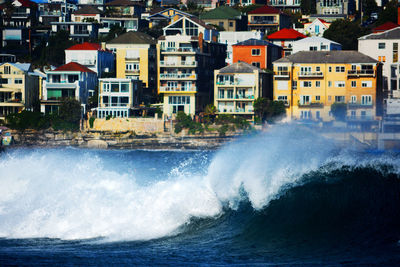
(70, 110)
(308, 7)
(268, 110)
(389, 13)
(346, 33)
(368, 7)
(339, 111)
(55, 51)
(115, 31)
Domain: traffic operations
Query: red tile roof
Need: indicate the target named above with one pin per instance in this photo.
(27, 3)
(265, 10)
(85, 46)
(286, 34)
(385, 27)
(73, 66)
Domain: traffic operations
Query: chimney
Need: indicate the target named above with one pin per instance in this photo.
(398, 15)
(201, 42)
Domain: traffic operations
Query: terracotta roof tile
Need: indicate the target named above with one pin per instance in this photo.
(265, 10)
(85, 46)
(384, 27)
(73, 66)
(286, 34)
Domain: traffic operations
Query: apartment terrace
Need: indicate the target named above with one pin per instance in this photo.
(361, 73)
(310, 74)
(355, 105)
(178, 76)
(310, 104)
(182, 64)
(179, 89)
(282, 75)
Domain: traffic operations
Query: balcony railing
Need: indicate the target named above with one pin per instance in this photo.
(185, 49)
(81, 32)
(178, 89)
(132, 57)
(360, 118)
(263, 21)
(178, 64)
(133, 71)
(282, 74)
(361, 73)
(311, 74)
(167, 76)
(311, 104)
(11, 100)
(351, 105)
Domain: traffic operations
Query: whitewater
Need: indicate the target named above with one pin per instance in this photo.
(113, 197)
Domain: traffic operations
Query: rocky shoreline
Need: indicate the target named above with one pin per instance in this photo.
(121, 140)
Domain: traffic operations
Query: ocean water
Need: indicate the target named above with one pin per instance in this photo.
(284, 197)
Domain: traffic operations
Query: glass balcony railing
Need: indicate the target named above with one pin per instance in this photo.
(361, 73)
(178, 89)
(178, 76)
(178, 64)
(310, 74)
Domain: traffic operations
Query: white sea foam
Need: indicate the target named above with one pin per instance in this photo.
(71, 194)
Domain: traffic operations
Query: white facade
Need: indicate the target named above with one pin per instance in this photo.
(315, 28)
(97, 61)
(315, 44)
(231, 38)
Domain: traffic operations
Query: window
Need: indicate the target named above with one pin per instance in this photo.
(221, 93)
(363, 113)
(318, 114)
(317, 84)
(366, 84)
(306, 84)
(366, 100)
(230, 24)
(255, 52)
(330, 69)
(340, 84)
(221, 24)
(7, 70)
(132, 67)
(305, 99)
(294, 85)
(381, 45)
(318, 68)
(353, 83)
(329, 98)
(395, 52)
(339, 68)
(317, 98)
(305, 114)
(305, 69)
(255, 64)
(172, 85)
(329, 84)
(353, 113)
(3, 81)
(18, 81)
(283, 98)
(353, 99)
(313, 48)
(339, 98)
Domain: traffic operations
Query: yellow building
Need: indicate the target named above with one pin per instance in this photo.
(236, 87)
(136, 58)
(309, 82)
(19, 88)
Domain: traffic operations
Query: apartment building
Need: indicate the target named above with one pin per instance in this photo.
(315, 44)
(309, 82)
(117, 96)
(71, 80)
(266, 19)
(292, 5)
(237, 86)
(19, 88)
(189, 54)
(136, 58)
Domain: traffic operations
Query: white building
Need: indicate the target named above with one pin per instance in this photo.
(92, 56)
(231, 38)
(384, 47)
(315, 44)
(317, 27)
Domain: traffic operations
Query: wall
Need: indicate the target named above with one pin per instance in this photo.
(138, 125)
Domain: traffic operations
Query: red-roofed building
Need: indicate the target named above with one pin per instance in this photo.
(285, 39)
(267, 18)
(316, 28)
(92, 56)
(71, 80)
(385, 27)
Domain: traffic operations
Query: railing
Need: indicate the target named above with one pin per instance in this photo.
(80, 32)
(360, 118)
(359, 105)
(180, 63)
(310, 74)
(132, 57)
(186, 49)
(311, 104)
(132, 71)
(50, 13)
(361, 72)
(282, 74)
(285, 102)
(12, 100)
(178, 76)
(178, 89)
(263, 21)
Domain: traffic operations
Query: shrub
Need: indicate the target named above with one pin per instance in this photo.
(91, 121)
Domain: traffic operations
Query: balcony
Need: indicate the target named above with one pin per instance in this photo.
(180, 50)
(136, 72)
(360, 118)
(178, 89)
(263, 22)
(310, 74)
(282, 75)
(178, 64)
(132, 58)
(361, 73)
(11, 101)
(85, 62)
(176, 76)
(355, 105)
(311, 105)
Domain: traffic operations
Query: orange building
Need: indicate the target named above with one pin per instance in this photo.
(256, 52)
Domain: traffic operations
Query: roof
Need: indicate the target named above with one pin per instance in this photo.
(222, 12)
(200, 22)
(26, 3)
(265, 10)
(124, 3)
(336, 56)
(170, 2)
(254, 42)
(85, 46)
(389, 34)
(132, 37)
(22, 66)
(73, 66)
(384, 27)
(87, 10)
(286, 34)
(239, 67)
(315, 39)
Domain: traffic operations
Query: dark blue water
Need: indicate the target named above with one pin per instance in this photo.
(265, 200)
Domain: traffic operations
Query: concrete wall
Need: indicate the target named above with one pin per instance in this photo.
(138, 125)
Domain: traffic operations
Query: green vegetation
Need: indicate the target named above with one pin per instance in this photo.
(308, 7)
(339, 111)
(185, 121)
(91, 121)
(54, 53)
(389, 13)
(345, 32)
(268, 110)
